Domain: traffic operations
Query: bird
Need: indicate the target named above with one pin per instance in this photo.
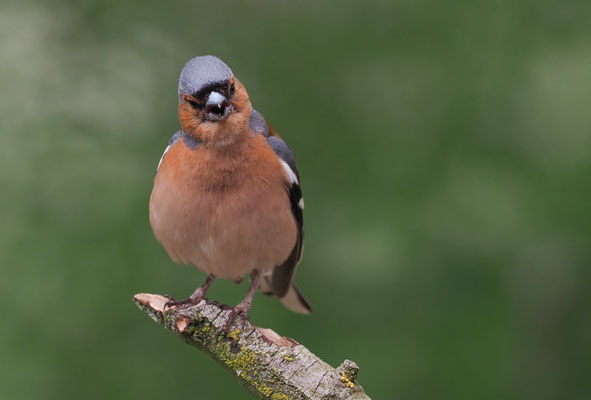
(226, 195)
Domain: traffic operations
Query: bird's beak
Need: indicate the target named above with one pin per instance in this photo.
(217, 107)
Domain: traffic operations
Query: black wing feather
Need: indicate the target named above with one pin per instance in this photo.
(283, 274)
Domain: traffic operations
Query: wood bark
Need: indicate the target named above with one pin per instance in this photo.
(268, 365)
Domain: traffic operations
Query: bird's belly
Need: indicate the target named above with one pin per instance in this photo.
(226, 235)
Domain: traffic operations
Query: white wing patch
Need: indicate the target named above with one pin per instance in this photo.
(292, 176)
(301, 203)
(162, 158)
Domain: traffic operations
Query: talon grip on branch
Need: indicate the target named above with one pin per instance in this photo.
(268, 365)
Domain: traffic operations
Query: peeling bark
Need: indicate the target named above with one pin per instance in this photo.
(268, 365)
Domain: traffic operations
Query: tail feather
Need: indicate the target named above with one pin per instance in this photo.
(293, 299)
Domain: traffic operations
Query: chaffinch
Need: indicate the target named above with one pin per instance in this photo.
(227, 195)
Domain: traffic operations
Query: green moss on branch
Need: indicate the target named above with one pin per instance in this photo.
(268, 365)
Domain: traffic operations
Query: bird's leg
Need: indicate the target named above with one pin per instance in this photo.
(255, 281)
(197, 295)
(243, 307)
(200, 293)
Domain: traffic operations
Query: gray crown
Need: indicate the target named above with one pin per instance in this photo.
(200, 72)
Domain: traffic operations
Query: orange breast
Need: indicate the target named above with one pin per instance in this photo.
(227, 212)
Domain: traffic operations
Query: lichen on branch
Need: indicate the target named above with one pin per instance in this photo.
(268, 365)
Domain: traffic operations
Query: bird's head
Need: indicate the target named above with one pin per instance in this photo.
(214, 106)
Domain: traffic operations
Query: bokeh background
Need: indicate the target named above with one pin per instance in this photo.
(444, 150)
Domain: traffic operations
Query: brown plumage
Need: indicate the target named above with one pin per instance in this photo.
(225, 211)
(223, 198)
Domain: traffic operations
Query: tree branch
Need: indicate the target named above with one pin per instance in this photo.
(268, 365)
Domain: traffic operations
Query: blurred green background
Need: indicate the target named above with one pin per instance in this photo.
(444, 150)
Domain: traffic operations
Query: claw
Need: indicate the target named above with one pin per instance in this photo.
(235, 312)
(242, 308)
(187, 302)
(173, 303)
(195, 298)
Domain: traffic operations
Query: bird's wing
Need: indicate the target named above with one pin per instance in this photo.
(259, 125)
(189, 141)
(175, 138)
(283, 274)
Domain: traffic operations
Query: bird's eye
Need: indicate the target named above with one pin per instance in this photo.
(232, 89)
(194, 101)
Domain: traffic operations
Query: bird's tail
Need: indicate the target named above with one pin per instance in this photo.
(293, 299)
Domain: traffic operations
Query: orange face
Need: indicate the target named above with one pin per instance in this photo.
(217, 115)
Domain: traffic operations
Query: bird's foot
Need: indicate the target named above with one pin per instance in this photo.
(241, 310)
(191, 301)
